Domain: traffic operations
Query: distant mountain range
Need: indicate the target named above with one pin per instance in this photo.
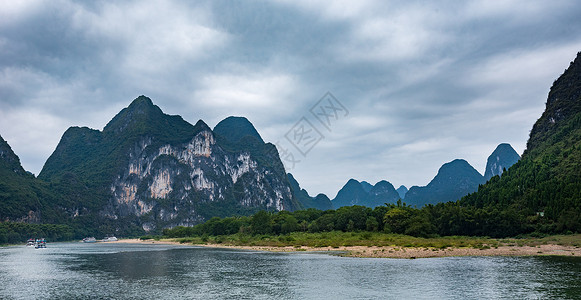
(365, 194)
(453, 181)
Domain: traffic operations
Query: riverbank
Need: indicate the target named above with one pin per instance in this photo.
(413, 252)
(150, 241)
(365, 244)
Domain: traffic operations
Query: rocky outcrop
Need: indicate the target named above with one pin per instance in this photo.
(161, 171)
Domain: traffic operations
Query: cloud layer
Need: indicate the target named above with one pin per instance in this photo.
(424, 83)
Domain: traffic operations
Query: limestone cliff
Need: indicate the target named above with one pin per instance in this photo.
(152, 170)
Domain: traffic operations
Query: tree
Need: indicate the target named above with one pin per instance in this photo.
(260, 223)
(396, 219)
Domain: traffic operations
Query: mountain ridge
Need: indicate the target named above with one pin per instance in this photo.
(365, 194)
(145, 160)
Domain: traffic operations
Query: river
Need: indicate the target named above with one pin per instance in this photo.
(142, 271)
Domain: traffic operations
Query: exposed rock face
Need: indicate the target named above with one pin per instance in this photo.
(502, 158)
(163, 172)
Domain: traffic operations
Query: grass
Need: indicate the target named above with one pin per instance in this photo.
(336, 239)
(573, 240)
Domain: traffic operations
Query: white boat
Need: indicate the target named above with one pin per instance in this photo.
(109, 239)
(30, 243)
(89, 240)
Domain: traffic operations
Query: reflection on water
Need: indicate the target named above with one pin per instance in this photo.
(125, 271)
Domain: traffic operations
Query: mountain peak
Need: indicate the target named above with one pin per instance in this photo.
(363, 193)
(503, 157)
(141, 110)
(8, 159)
(383, 184)
(456, 169)
(201, 125)
(234, 129)
(454, 180)
(402, 190)
(142, 101)
(453, 166)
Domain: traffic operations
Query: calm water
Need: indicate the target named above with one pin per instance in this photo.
(126, 271)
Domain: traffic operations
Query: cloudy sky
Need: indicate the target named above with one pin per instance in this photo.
(415, 84)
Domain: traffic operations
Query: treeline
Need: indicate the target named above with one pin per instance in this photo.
(444, 219)
(14, 233)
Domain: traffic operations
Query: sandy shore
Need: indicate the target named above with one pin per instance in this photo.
(138, 241)
(396, 252)
(406, 252)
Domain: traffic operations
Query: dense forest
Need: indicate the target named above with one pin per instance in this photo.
(443, 219)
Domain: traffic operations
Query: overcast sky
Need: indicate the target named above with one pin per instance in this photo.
(416, 84)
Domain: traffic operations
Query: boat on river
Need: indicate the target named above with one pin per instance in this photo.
(40, 244)
(109, 239)
(89, 240)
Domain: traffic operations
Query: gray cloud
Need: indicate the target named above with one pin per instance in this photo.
(424, 82)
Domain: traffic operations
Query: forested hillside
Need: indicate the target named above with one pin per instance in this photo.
(545, 185)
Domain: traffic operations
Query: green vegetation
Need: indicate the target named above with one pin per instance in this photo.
(394, 225)
(544, 188)
(14, 233)
(336, 239)
(446, 219)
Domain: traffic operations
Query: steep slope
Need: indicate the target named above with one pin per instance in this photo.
(365, 194)
(147, 170)
(503, 157)
(9, 161)
(321, 201)
(22, 197)
(454, 180)
(548, 177)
